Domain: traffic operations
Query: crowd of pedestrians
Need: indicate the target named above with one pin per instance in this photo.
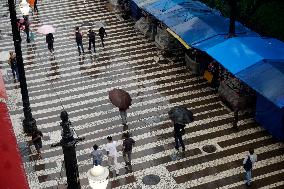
(112, 154)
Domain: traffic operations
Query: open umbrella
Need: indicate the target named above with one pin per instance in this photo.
(181, 115)
(46, 29)
(4, 55)
(120, 98)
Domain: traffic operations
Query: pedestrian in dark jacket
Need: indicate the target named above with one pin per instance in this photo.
(49, 41)
(92, 39)
(97, 155)
(102, 34)
(248, 163)
(79, 40)
(128, 143)
(178, 132)
(13, 64)
(35, 7)
(27, 30)
(36, 138)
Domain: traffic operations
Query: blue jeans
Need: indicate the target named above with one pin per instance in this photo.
(80, 45)
(248, 177)
(179, 141)
(97, 162)
(15, 72)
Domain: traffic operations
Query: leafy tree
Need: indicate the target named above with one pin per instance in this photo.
(263, 16)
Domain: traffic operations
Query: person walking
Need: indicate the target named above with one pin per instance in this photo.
(26, 27)
(123, 116)
(79, 41)
(112, 154)
(178, 132)
(102, 34)
(92, 40)
(13, 64)
(128, 143)
(35, 7)
(49, 41)
(248, 163)
(97, 155)
(36, 138)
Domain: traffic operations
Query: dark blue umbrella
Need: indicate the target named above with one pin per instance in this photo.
(181, 115)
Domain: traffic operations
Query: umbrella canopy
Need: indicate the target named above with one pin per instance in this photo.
(120, 98)
(4, 55)
(181, 115)
(46, 29)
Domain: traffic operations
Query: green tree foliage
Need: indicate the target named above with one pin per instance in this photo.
(263, 16)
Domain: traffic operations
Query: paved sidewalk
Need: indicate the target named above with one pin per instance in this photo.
(80, 85)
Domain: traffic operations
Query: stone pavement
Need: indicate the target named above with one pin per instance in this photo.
(80, 85)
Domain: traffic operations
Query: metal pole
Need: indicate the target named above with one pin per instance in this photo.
(233, 15)
(68, 143)
(29, 123)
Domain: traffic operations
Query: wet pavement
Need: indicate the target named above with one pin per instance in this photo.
(80, 85)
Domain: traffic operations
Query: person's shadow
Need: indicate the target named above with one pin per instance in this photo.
(54, 73)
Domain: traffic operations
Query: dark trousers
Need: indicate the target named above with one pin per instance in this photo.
(178, 140)
(50, 47)
(28, 35)
(127, 157)
(35, 6)
(102, 39)
(80, 46)
(15, 72)
(90, 44)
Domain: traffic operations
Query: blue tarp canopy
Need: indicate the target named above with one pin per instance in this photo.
(191, 20)
(143, 3)
(171, 7)
(267, 78)
(243, 52)
(257, 62)
(160, 7)
(203, 27)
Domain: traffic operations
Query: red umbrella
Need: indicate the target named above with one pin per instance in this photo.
(120, 98)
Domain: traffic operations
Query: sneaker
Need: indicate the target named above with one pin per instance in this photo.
(248, 185)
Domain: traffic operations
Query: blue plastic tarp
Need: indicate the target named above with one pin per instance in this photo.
(243, 52)
(143, 3)
(203, 27)
(161, 7)
(256, 61)
(267, 78)
(270, 117)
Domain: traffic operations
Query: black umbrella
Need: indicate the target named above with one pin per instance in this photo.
(181, 115)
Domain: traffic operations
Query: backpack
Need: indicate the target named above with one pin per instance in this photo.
(248, 164)
(102, 31)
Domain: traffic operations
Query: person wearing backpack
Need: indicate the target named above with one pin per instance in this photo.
(92, 40)
(79, 40)
(248, 163)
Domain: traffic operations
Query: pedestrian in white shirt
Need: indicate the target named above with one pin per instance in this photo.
(112, 154)
(248, 163)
